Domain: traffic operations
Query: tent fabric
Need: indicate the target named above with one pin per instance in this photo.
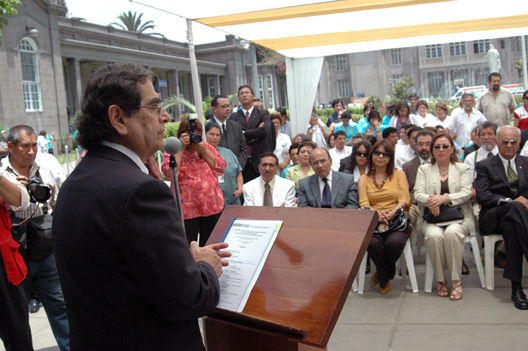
(303, 76)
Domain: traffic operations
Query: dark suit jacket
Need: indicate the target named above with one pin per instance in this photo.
(128, 277)
(492, 185)
(234, 140)
(259, 139)
(524, 138)
(344, 191)
(344, 162)
(411, 169)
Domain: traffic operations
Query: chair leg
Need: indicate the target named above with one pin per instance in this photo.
(489, 250)
(407, 254)
(429, 273)
(355, 285)
(478, 261)
(361, 274)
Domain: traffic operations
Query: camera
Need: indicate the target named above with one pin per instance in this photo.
(38, 192)
(194, 137)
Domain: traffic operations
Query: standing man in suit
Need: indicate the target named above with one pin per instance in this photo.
(327, 188)
(269, 189)
(502, 191)
(256, 124)
(129, 278)
(231, 134)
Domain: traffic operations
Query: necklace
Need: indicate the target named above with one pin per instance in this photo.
(379, 186)
(443, 173)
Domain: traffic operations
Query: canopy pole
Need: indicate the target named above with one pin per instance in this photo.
(197, 90)
(523, 62)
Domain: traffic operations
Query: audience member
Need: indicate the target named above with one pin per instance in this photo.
(331, 141)
(463, 123)
(282, 144)
(488, 147)
(299, 138)
(413, 101)
(269, 189)
(408, 152)
(231, 181)
(327, 188)
(285, 126)
(340, 151)
(441, 185)
(373, 124)
(338, 107)
(401, 117)
(232, 136)
(390, 135)
(318, 132)
(423, 118)
(303, 169)
(497, 104)
(372, 139)
(358, 164)
(346, 125)
(475, 143)
(385, 190)
(294, 157)
(423, 140)
(442, 114)
(502, 191)
(521, 113)
(42, 143)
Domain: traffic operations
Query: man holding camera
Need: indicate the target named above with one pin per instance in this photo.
(42, 186)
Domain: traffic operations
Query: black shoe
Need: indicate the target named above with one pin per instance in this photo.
(519, 299)
(465, 268)
(33, 306)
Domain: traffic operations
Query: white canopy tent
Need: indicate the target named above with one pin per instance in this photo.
(306, 31)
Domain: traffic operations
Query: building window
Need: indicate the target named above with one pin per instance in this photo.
(343, 88)
(481, 46)
(433, 51)
(341, 62)
(457, 49)
(503, 44)
(396, 58)
(210, 86)
(30, 75)
(261, 89)
(436, 82)
(460, 78)
(271, 97)
(481, 76)
(396, 77)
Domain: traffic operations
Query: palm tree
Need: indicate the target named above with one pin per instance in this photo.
(131, 22)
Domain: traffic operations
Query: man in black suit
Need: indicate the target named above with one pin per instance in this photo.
(232, 136)
(129, 279)
(502, 191)
(423, 139)
(256, 124)
(327, 188)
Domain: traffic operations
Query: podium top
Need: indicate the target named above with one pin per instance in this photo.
(309, 271)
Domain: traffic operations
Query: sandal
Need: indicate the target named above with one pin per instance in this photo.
(456, 292)
(374, 280)
(442, 290)
(385, 289)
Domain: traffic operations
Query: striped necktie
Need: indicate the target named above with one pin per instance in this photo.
(513, 179)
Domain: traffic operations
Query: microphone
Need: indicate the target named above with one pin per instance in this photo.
(172, 145)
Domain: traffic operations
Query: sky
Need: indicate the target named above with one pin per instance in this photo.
(104, 12)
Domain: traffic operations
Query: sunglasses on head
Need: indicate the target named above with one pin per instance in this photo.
(445, 147)
(381, 153)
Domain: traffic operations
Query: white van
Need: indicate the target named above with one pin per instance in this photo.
(476, 90)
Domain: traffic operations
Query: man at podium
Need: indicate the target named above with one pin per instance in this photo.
(327, 188)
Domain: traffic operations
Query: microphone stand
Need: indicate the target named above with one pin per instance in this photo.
(172, 165)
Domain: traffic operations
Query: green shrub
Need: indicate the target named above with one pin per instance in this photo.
(171, 129)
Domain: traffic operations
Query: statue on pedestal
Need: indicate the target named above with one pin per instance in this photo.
(493, 59)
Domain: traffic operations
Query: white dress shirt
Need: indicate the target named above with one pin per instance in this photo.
(477, 156)
(462, 124)
(337, 156)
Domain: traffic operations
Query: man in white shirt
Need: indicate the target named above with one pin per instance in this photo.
(269, 189)
(488, 149)
(462, 123)
(340, 151)
(403, 154)
(318, 132)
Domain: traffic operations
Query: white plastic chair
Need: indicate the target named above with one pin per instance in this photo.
(429, 269)
(359, 283)
(489, 258)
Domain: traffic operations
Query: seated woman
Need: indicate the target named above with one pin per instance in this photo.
(445, 181)
(424, 119)
(303, 169)
(373, 126)
(197, 167)
(385, 190)
(358, 162)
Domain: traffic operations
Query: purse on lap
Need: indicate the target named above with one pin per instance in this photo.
(448, 215)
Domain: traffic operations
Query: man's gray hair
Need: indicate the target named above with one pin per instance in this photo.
(14, 133)
(511, 127)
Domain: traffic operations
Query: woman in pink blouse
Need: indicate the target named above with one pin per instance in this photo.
(198, 166)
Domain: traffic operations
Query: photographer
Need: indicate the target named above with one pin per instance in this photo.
(35, 222)
(199, 167)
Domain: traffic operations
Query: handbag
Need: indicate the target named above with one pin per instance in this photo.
(34, 236)
(398, 223)
(448, 215)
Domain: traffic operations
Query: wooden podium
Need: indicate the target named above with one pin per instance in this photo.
(304, 283)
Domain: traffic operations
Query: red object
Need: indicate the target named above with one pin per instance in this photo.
(13, 262)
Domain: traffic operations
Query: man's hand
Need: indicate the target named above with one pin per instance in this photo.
(523, 201)
(237, 193)
(261, 124)
(22, 180)
(212, 255)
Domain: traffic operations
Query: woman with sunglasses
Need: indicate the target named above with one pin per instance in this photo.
(445, 181)
(358, 164)
(385, 190)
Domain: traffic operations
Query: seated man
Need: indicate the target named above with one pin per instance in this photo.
(327, 188)
(488, 141)
(340, 151)
(502, 191)
(269, 189)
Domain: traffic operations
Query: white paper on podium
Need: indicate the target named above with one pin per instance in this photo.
(250, 242)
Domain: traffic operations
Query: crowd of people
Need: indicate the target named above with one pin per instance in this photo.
(147, 269)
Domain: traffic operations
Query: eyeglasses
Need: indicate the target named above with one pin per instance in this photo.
(511, 141)
(444, 147)
(359, 153)
(225, 107)
(381, 153)
(159, 108)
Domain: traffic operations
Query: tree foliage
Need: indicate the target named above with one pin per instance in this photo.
(402, 88)
(7, 8)
(132, 22)
(517, 65)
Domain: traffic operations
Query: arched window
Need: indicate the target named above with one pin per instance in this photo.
(30, 75)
